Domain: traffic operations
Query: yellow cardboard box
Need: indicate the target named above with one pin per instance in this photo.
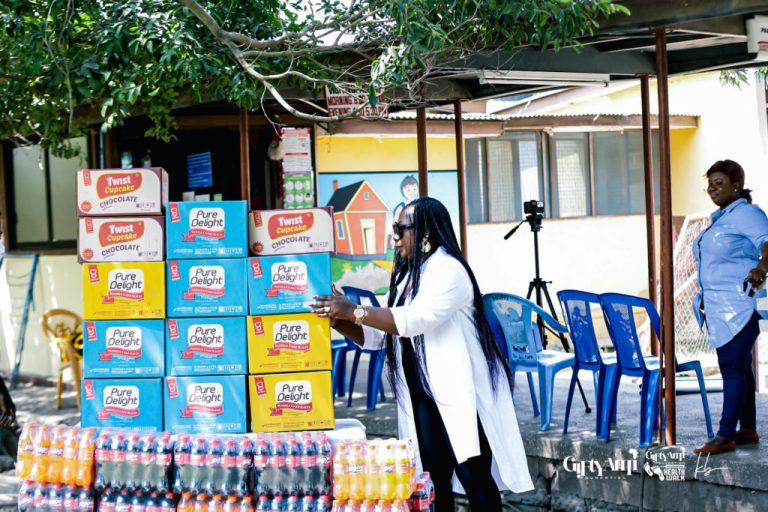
(124, 290)
(288, 343)
(283, 402)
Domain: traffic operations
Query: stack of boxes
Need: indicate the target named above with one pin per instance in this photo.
(289, 348)
(206, 358)
(120, 243)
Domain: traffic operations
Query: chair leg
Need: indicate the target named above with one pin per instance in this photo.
(374, 380)
(338, 377)
(59, 388)
(568, 401)
(612, 383)
(546, 385)
(649, 410)
(532, 389)
(704, 400)
(353, 375)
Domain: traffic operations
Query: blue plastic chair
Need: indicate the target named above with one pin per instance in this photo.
(512, 316)
(339, 370)
(620, 320)
(577, 306)
(376, 361)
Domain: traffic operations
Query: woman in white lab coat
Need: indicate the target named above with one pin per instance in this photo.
(451, 381)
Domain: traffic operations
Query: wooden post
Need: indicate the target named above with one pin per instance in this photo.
(421, 143)
(667, 366)
(458, 125)
(650, 213)
(245, 166)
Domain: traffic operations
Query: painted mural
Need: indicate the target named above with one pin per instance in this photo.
(365, 206)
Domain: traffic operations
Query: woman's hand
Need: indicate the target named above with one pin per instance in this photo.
(335, 307)
(756, 277)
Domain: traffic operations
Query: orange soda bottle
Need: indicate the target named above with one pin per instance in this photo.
(403, 471)
(26, 450)
(341, 472)
(356, 472)
(400, 506)
(84, 466)
(186, 504)
(201, 503)
(232, 505)
(388, 481)
(216, 504)
(56, 454)
(372, 471)
(39, 469)
(69, 457)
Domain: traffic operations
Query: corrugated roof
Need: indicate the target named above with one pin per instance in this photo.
(411, 115)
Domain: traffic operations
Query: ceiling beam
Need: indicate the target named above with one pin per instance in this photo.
(660, 13)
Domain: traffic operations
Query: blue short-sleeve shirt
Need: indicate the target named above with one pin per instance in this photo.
(725, 253)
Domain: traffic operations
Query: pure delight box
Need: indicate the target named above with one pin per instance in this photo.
(124, 348)
(206, 346)
(309, 230)
(212, 404)
(207, 229)
(106, 239)
(121, 191)
(288, 343)
(216, 287)
(125, 290)
(122, 403)
(291, 401)
(286, 284)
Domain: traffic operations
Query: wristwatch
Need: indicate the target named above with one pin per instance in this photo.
(359, 313)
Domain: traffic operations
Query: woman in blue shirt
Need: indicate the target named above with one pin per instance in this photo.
(732, 259)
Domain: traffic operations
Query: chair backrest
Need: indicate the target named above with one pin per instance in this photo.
(58, 326)
(622, 327)
(513, 317)
(360, 296)
(577, 310)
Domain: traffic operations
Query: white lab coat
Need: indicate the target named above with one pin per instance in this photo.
(457, 371)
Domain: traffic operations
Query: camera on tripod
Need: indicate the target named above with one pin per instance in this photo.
(534, 207)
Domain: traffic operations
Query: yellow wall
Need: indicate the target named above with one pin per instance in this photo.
(342, 153)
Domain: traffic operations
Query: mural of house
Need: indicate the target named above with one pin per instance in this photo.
(360, 221)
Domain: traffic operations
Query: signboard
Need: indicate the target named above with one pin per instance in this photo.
(298, 176)
(341, 104)
(199, 171)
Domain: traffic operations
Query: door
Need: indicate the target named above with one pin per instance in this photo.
(368, 227)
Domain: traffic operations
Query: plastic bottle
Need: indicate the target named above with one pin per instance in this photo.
(400, 506)
(56, 454)
(70, 498)
(197, 468)
(181, 456)
(131, 464)
(163, 455)
(145, 474)
(292, 504)
(167, 503)
(292, 472)
(26, 496)
(231, 505)
(246, 504)
(353, 506)
(26, 451)
(152, 502)
(323, 504)
(69, 456)
(324, 463)
(40, 497)
(261, 460)
(356, 471)
(403, 465)
(123, 501)
(373, 477)
(341, 472)
(117, 453)
(388, 481)
(426, 477)
(245, 466)
(108, 500)
(186, 504)
(214, 467)
(216, 504)
(277, 503)
(201, 503)
(263, 503)
(420, 498)
(85, 500)
(85, 454)
(42, 443)
(103, 458)
(307, 504)
(383, 506)
(309, 469)
(138, 502)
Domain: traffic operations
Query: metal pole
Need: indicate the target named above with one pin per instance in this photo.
(421, 142)
(458, 125)
(667, 272)
(245, 165)
(650, 229)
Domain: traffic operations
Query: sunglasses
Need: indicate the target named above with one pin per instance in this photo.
(398, 228)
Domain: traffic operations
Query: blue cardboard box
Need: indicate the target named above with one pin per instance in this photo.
(122, 403)
(286, 284)
(206, 346)
(212, 404)
(124, 348)
(207, 229)
(206, 288)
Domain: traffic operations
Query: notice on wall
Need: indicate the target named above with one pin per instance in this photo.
(199, 171)
(298, 174)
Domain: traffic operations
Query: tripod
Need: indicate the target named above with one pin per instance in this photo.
(540, 286)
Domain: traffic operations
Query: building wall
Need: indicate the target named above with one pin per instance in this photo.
(344, 153)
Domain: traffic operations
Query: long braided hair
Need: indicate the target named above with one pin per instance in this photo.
(430, 218)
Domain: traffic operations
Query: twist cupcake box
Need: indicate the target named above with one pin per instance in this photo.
(107, 239)
(121, 191)
(309, 230)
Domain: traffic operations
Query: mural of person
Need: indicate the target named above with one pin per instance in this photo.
(409, 188)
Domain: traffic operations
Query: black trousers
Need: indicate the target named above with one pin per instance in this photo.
(437, 454)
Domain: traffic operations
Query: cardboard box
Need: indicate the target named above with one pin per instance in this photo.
(207, 229)
(120, 403)
(298, 231)
(207, 288)
(106, 239)
(206, 346)
(124, 290)
(286, 284)
(121, 191)
(291, 401)
(124, 348)
(288, 343)
(213, 404)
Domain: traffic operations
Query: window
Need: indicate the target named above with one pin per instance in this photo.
(589, 174)
(41, 202)
(366, 196)
(339, 230)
